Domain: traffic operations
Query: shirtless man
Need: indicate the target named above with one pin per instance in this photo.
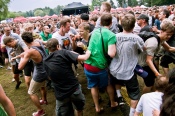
(36, 53)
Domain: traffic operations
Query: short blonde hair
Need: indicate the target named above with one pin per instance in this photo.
(167, 25)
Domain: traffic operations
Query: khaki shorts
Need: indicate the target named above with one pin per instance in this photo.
(35, 86)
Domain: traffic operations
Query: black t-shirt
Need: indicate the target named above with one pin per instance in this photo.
(58, 65)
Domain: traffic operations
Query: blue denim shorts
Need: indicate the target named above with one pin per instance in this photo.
(100, 79)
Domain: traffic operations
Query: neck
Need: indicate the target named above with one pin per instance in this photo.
(61, 32)
(127, 31)
(87, 38)
(106, 27)
(46, 34)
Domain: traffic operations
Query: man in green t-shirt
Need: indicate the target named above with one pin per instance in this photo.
(96, 67)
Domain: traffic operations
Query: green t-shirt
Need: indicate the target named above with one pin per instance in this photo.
(2, 112)
(97, 57)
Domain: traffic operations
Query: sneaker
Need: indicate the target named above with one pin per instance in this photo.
(18, 84)
(1, 66)
(9, 68)
(42, 102)
(39, 113)
(121, 101)
(13, 80)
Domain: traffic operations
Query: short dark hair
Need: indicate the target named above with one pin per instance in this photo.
(166, 12)
(7, 39)
(84, 16)
(106, 19)
(52, 44)
(27, 37)
(64, 21)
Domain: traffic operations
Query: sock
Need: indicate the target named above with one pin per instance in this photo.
(132, 111)
(118, 93)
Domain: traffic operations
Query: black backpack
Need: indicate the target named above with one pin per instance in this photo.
(146, 35)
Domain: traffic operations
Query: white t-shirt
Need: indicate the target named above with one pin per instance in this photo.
(64, 41)
(123, 64)
(148, 102)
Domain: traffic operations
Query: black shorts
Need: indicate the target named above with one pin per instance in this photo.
(28, 69)
(166, 60)
(16, 70)
(132, 86)
(150, 79)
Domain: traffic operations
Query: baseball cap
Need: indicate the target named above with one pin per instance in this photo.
(143, 16)
(139, 71)
(84, 16)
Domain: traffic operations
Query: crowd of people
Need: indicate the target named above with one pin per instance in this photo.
(108, 46)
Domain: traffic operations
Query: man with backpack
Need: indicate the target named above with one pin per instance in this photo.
(152, 46)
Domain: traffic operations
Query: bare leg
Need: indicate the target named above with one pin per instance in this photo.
(165, 70)
(95, 96)
(110, 91)
(35, 100)
(27, 81)
(78, 113)
(43, 93)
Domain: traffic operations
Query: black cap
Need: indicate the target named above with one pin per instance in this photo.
(143, 16)
(84, 16)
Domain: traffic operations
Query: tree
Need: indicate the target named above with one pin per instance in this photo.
(96, 3)
(39, 13)
(120, 2)
(4, 9)
(112, 4)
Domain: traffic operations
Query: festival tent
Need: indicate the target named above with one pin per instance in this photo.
(142, 6)
(75, 8)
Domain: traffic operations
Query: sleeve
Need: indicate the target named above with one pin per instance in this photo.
(151, 45)
(23, 45)
(139, 107)
(140, 44)
(71, 56)
(112, 40)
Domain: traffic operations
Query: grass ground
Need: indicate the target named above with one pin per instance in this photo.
(24, 106)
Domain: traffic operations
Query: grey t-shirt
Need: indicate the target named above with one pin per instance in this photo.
(148, 102)
(113, 28)
(152, 48)
(10, 50)
(123, 64)
(19, 48)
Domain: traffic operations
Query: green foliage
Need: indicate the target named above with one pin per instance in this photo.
(4, 8)
(96, 3)
(39, 13)
(112, 4)
(120, 2)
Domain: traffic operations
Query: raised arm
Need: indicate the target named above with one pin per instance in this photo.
(24, 60)
(6, 103)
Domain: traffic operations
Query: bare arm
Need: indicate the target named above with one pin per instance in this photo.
(84, 56)
(112, 50)
(136, 114)
(6, 103)
(167, 47)
(149, 61)
(24, 60)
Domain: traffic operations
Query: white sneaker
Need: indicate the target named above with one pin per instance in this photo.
(9, 68)
(1, 66)
(13, 80)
